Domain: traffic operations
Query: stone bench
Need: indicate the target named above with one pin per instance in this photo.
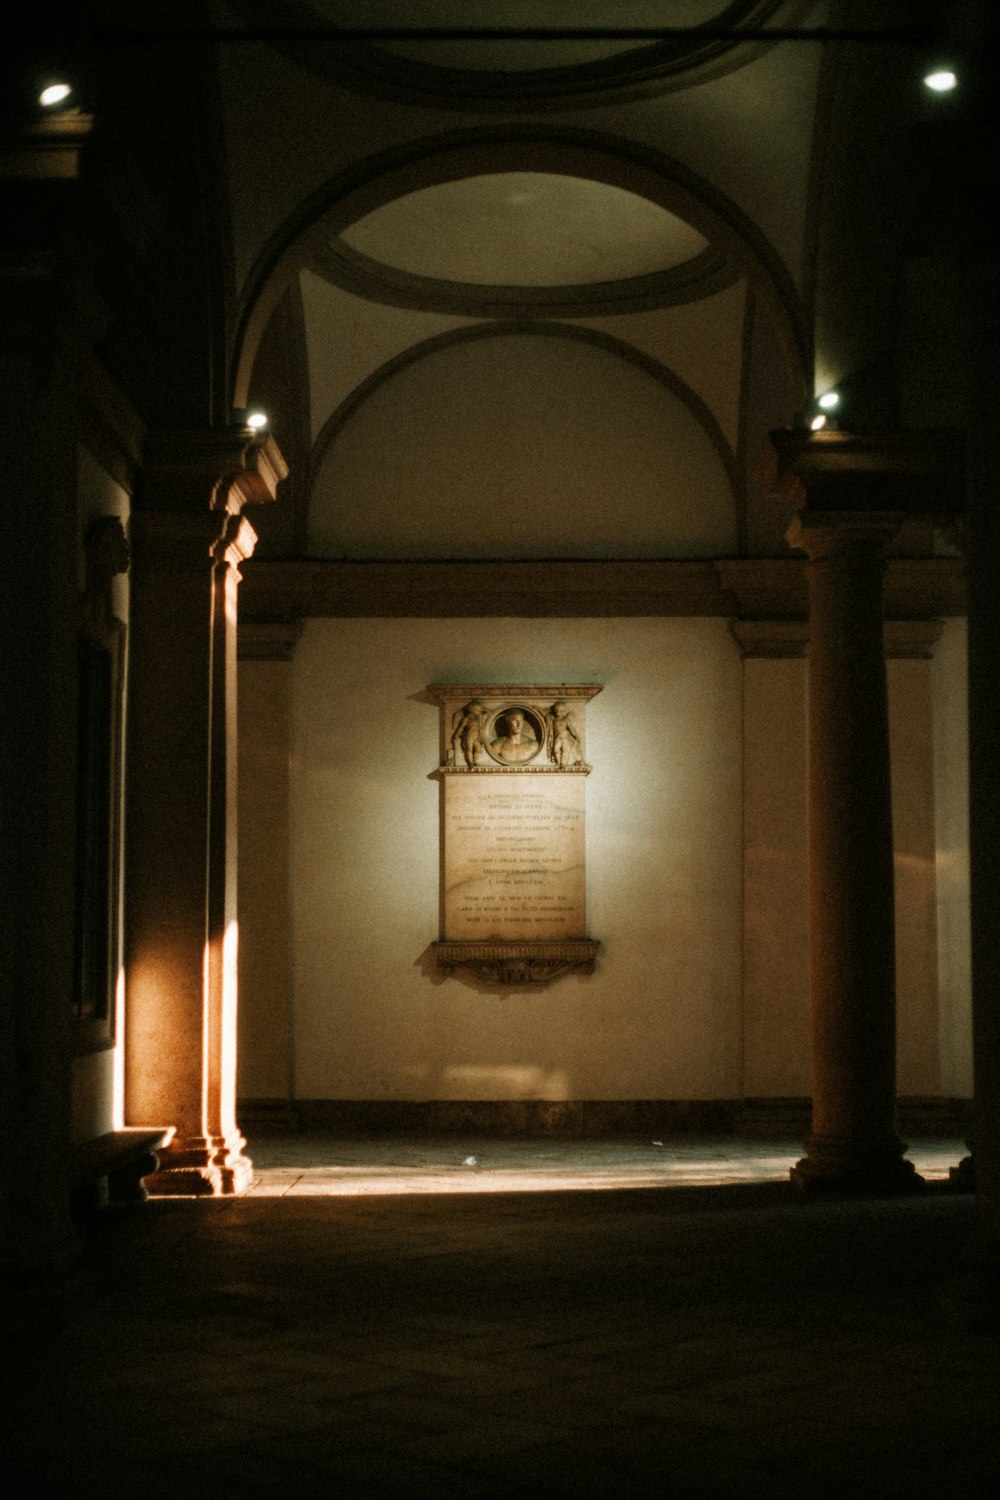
(110, 1168)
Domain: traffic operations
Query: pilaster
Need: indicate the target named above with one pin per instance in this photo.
(775, 955)
(266, 1018)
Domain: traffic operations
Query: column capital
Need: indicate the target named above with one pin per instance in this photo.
(237, 541)
(909, 472)
(209, 469)
(853, 535)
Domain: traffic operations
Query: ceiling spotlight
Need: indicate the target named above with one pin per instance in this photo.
(818, 423)
(829, 401)
(256, 420)
(54, 93)
(940, 81)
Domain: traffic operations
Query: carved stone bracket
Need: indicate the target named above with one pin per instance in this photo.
(519, 963)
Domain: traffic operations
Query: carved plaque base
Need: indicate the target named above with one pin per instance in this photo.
(519, 963)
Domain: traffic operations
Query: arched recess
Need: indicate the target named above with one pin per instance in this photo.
(483, 150)
(548, 440)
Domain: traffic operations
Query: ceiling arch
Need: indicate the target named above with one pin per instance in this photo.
(505, 74)
(482, 151)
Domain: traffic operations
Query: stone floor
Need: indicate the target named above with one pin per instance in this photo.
(553, 1319)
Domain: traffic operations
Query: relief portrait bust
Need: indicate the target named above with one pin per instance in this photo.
(517, 740)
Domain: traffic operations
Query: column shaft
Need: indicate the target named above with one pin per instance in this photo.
(852, 945)
(181, 930)
(179, 877)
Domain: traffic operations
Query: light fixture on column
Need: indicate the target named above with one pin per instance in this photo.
(251, 416)
(826, 405)
(940, 80)
(55, 94)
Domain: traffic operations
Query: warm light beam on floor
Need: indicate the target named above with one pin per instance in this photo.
(493, 1171)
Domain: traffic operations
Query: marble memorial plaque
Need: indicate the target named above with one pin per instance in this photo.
(514, 858)
(513, 874)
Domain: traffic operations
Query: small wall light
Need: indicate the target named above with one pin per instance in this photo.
(257, 420)
(823, 409)
(54, 94)
(940, 81)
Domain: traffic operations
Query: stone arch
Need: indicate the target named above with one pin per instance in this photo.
(572, 151)
(691, 414)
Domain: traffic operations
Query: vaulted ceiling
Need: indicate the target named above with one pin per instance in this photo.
(544, 297)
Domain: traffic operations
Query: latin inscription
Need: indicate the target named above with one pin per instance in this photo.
(514, 858)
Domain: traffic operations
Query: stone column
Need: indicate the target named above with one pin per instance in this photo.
(188, 540)
(853, 1143)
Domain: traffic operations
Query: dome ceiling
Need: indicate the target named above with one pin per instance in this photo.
(524, 229)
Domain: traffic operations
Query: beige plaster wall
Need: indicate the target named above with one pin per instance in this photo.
(951, 778)
(661, 1016)
(702, 986)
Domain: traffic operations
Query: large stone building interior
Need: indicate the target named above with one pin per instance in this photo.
(364, 357)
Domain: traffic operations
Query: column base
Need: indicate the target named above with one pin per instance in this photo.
(835, 1165)
(201, 1167)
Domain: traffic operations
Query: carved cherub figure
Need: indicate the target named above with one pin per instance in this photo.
(467, 734)
(562, 743)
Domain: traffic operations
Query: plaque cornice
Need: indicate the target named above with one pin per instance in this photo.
(446, 692)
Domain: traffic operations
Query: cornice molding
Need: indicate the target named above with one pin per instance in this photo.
(749, 588)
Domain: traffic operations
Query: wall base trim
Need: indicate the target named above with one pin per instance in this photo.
(580, 1118)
